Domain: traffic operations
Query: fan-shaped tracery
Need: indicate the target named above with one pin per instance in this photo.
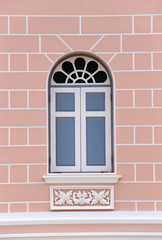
(80, 69)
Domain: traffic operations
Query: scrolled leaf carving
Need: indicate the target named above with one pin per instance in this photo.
(62, 198)
(82, 197)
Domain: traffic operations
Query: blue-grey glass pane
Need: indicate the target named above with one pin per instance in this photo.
(95, 141)
(95, 101)
(65, 102)
(65, 141)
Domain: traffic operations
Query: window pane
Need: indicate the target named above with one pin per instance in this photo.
(95, 141)
(95, 101)
(65, 102)
(65, 141)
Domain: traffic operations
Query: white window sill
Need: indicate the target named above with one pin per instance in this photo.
(82, 178)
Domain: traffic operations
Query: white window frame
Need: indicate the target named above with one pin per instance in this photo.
(80, 115)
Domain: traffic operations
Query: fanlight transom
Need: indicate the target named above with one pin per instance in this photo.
(80, 70)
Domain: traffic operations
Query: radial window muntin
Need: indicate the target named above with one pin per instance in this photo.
(88, 57)
(68, 71)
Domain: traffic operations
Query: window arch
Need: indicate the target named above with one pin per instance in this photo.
(80, 115)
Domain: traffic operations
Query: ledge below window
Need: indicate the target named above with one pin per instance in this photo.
(82, 178)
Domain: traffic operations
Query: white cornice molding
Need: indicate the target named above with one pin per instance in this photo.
(82, 178)
(88, 217)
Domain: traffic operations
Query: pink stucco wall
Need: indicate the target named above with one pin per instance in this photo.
(127, 35)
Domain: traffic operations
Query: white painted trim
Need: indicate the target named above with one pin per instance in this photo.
(80, 217)
(82, 178)
(85, 236)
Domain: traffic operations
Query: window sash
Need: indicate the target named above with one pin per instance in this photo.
(76, 115)
(107, 115)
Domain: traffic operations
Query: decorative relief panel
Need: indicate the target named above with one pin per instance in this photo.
(81, 197)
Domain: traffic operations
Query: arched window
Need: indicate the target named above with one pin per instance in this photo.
(80, 115)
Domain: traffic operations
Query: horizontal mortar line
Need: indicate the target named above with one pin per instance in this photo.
(78, 34)
(101, 33)
(140, 181)
(131, 89)
(34, 145)
(82, 15)
(151, 163)
(137, 200)
(33, 52)
(23, 90)
(140, 144)
(14, 164)
(149, 125)
(23, 126)
(23, 108)
(149, 70)
(21, 183)
(125, 201)
(137, 107)
(25, 202)
(128, 52)
(42, 52)
(24, 71)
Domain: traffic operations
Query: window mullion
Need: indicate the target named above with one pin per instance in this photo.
(80, 121)
(83, 129)
(77, 129)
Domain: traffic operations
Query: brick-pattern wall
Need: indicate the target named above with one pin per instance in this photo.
(128, 36)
